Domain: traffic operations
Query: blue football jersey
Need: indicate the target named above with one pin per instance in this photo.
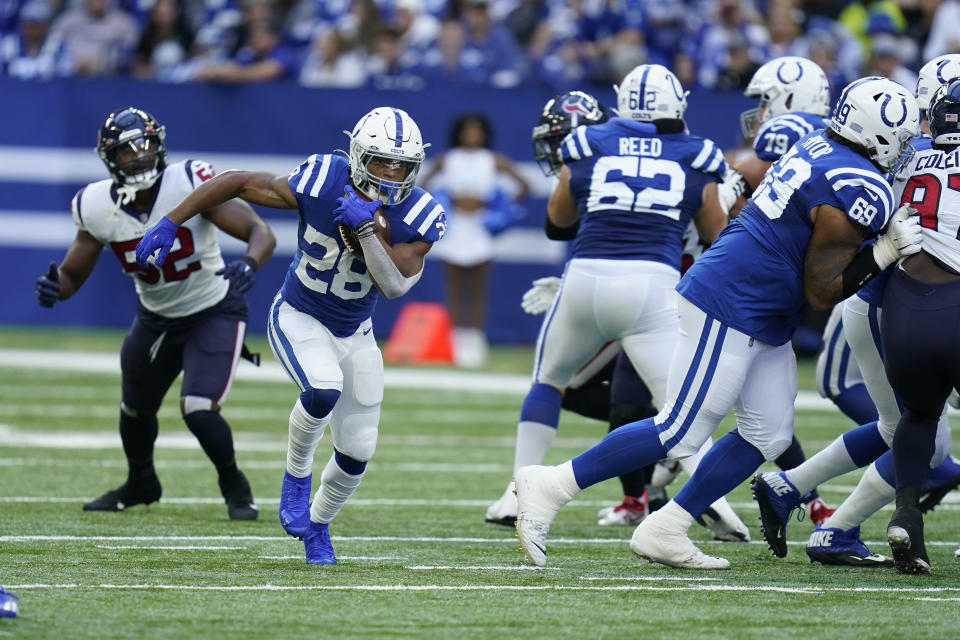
(781, 132)
(325, 279)
(636, 189)
(872, 292)
(752, 276)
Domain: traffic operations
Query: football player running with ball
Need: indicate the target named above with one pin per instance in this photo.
(192, 314)
(796, 241)
(319, 325)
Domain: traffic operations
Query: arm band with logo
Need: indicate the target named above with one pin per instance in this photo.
(860, 271)
(561, 233)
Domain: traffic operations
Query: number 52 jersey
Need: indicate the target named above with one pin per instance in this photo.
(751, 278)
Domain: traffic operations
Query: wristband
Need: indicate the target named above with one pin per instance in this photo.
(859, 272)
(253, 264)
(366, 229)
(561, 233)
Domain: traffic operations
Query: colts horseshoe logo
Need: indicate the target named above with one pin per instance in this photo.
(780, 72)
(883, 111)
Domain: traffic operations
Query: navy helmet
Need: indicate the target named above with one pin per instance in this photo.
(139, 133)
(944, 115)
(561, 115)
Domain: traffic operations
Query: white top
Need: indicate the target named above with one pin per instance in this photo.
(469, 173)
(932, 186)
(186, 283)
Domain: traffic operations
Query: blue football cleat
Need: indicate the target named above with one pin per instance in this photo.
(317, 544)
(295, 504)
(939, 482)
(8, 604)
(777, 499)
(844, 548)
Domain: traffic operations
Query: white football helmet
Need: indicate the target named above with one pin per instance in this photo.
(935, 73)
(783, 85)
(651, 92)
(879, 115)
(391, 135)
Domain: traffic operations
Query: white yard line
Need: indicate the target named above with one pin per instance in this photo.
(169, 548)
(522, 567)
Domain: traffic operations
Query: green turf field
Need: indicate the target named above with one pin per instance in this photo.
(416, 558)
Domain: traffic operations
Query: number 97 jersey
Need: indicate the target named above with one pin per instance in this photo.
(752, 276)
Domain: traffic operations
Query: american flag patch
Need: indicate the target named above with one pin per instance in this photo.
(950, 117)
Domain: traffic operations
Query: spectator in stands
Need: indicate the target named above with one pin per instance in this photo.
(361, 23)
(713, 51)
(388, 66)
(466, 176)
(821, 47)
(491, 46)
(9, 16)
(333, 62)
(28, 54)
(885, 61)
(784, 30)
(735, 73)
(262, 58)
(98, 38)
(944, 35)
(165, 42)
(447, 61)
(418, 30)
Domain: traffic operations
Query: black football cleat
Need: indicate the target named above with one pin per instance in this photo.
(143, 491)
(905, 535)
(238, 496)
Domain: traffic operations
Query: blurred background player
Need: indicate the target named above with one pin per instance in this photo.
(837, 541)
(192, 315)
(319, 325)
(467, 177)
(795, 241)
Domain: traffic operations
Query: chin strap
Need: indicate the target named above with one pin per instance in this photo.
(126, 193)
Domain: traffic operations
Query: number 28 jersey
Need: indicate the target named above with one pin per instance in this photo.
(752, 276)
(635, 189)
(325, 279)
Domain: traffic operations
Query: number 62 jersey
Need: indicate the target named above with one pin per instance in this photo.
(752, 277)
(186, 283)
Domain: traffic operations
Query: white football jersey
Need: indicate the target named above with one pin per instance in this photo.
(186, 282)
(932, 187)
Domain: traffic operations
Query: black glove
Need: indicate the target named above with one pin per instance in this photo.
(240, 273)
(48, 286)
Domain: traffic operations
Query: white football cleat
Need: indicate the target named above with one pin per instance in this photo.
(669, 546)
(540, 495)
(504, 510)
(724, 523)
(664, 472)
(630, 512)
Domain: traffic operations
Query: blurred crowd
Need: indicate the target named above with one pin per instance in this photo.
(408, 44)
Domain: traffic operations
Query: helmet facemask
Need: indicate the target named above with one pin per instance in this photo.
(137, 161)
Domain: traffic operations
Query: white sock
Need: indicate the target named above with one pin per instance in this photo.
(533, 442)
(831, 462)
(336, 487)
(568, 480)
(869, 496)
(674, 516)
(305, 434)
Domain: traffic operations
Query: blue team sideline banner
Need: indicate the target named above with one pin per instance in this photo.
(46, 154)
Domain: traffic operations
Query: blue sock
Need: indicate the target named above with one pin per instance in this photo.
(864, 444)
(730, 461)
(943, 474)
(348, 464)
(624, 449)
(542, 405)
(856, 404)
(884, 466)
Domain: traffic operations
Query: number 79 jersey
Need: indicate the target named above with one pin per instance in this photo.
(752, 276)
(325, 279)
(637, 190)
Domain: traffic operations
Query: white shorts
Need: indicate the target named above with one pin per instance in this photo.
(862, 326)
(632, 302)
(716, 368)
(466, 242)
(837, 369)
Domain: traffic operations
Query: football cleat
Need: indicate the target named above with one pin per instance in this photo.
(504, 510)
(777, 499)
(657, 543)
(294, 509)
(316, 543)
(844, 548)
(8, 604)
(723, 523)
(818, 511)
(238, 496)
(143, 491)
(664, 472)
(905, 535)
(946, 477)
(539, 497)
(631, 512)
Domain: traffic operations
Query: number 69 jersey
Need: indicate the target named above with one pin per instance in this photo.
(637, 190)
(325, 280)
(933, 189)
(752, 276)
(187, 282)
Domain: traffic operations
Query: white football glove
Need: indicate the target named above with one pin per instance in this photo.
(732, 187)
(539, 297)
(903, 237)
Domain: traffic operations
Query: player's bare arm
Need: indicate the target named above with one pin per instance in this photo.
(833, 245)
(561, 208)
(238, 219)
(711, 218)
(752, 168)
(79, 262)
(256, 187)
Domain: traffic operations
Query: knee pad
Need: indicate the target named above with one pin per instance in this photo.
(356, 435)
(348, 464)
(192, 404)
(367, 377)
(318, 403)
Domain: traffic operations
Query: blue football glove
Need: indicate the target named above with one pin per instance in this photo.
(161, 236)
(48, 286)
(354, 210)
(240, 274)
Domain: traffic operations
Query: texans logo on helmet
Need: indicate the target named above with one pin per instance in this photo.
(575, 104)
